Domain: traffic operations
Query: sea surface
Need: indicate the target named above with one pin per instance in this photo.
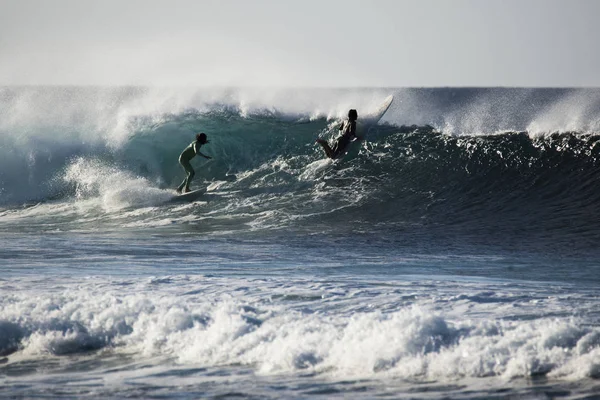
(453, 253)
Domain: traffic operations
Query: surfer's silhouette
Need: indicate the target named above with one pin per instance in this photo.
(185, 157)
(348, 129)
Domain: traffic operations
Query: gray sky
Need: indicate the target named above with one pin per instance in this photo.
(301, 42)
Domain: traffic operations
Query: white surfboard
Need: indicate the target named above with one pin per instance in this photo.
(372, 117)
(189, 196)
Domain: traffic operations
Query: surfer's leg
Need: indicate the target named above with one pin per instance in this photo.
(189, 180)
(326, 147)
(189, 175)
(180, 187)
(340, 147)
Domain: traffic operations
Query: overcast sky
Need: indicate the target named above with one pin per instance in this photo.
(301, 42)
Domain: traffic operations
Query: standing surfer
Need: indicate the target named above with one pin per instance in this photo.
(185, 157)
(348, 129)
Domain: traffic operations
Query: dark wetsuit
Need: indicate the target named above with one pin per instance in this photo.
(348, 129)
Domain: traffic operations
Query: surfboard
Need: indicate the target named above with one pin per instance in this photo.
(372, 117)
(189, 196)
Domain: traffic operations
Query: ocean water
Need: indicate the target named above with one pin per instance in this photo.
(454, 253)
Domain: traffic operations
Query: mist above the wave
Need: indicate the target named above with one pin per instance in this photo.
(111, 113)
(486, 111)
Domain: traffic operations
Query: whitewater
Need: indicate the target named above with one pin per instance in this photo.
(452, 253)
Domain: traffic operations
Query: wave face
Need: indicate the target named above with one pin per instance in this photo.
(479, 161)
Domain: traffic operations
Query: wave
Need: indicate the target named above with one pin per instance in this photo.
(200, 324)
(120, 147)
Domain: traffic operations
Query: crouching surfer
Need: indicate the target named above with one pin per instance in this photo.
(348, 129)
(184, 159)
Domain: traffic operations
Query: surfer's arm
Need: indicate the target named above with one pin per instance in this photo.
(197, 151)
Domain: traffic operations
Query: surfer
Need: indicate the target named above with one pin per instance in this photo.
(348, 129)
(185, 157)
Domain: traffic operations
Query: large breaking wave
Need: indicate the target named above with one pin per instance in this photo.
(488, 160)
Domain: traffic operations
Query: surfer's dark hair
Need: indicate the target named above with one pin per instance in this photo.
(201, 137)
(352, 114)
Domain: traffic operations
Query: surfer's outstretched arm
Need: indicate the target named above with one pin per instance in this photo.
(198, 152)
